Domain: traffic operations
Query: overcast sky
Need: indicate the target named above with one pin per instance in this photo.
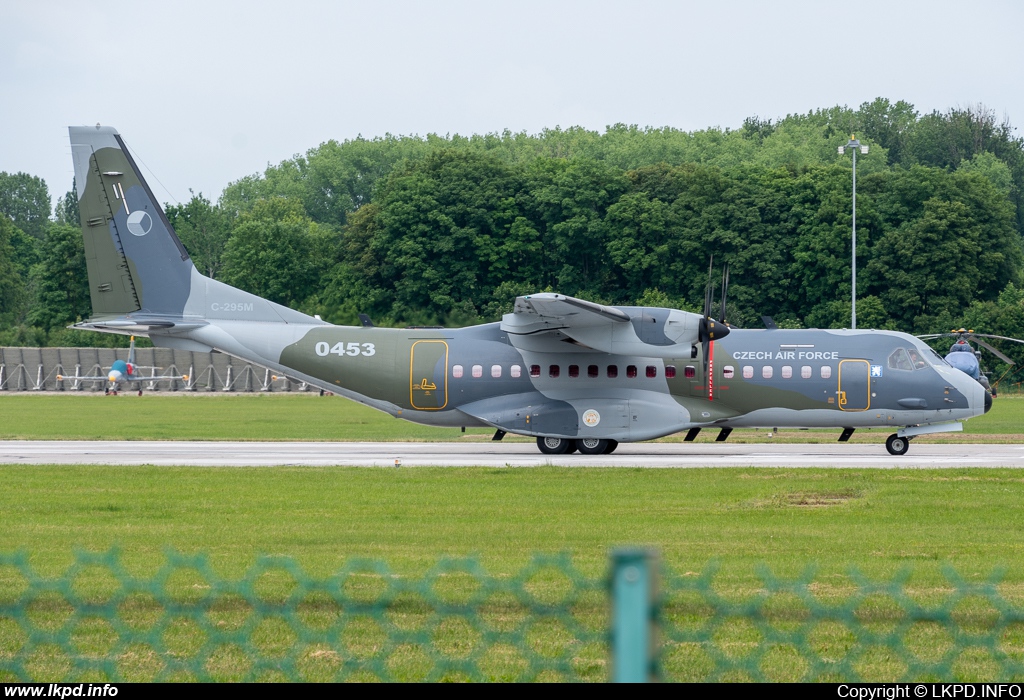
(207, 92)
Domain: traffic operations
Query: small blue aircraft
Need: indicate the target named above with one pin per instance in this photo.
(125, 373)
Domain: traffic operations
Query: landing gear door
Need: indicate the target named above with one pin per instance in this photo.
(428, 375)
(854, 385)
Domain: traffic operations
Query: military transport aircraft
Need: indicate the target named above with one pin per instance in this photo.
(574, 374)
(125, 373)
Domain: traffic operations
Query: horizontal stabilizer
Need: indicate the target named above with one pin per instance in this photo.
(138, 325)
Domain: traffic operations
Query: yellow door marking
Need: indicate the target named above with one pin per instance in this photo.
(424, 384)
(842, 394)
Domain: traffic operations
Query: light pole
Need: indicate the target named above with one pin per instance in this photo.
(854, 145)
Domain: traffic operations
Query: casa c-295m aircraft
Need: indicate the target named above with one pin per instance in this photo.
(573, 374)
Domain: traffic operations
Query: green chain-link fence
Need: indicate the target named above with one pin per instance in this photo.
(98, 622)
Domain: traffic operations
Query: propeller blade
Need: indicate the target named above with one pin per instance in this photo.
(707, 290)
(725, 290)
(995, 352)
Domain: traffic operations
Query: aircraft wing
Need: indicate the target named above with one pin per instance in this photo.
(545, 322)
(559, 311)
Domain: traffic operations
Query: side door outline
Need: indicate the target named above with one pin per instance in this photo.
(424, 385)
(844, 400)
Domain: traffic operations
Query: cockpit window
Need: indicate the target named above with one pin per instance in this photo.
(899, 359)
(916, 359)
(936, 358)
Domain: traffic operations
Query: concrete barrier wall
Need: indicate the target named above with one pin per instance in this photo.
(37, 369)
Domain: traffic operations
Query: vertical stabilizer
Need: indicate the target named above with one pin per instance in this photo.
(135, 260)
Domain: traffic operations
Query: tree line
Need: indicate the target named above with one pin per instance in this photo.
(450, 229)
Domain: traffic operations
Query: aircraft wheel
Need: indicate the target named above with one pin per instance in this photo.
(610, 447)
(140, 392)
(555, 446)
(897, 445)
(106, 392)
(592, 446)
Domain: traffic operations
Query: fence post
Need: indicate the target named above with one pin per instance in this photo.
(634, 583)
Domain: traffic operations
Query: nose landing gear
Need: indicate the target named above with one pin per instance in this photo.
(897, 445)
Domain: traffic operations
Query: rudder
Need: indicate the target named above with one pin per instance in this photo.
(134, 259)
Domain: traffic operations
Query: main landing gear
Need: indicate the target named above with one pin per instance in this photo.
(586, 446)
(897, 445)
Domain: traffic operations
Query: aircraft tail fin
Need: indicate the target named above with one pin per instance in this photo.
(134, 258)
(141, 279)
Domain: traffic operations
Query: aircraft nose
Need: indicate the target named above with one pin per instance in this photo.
(114, 376)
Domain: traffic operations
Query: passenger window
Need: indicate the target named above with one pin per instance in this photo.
(574, 371)
(613, 371)
(478, 371)
(592, 371)
(728, 372)
(748, 372)
(516, 371)
(670, 371)
(826, 372)
(690, 372)
(553, 371)
(631, 371)
(652, 371)
(805, 372)
(457, 371)
(787, 372)
(534, 370)
(767, 371)
(496, 371)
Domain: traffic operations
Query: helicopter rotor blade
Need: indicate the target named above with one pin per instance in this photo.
(995, 352)
(1001, 337)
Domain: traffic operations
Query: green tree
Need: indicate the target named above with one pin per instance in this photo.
(26, 200)
(277, 252)
(60, 279)
(12, 284)
(203, 229)
(66, 211)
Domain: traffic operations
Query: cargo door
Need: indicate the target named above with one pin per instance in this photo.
(428, 375)
(854, 385)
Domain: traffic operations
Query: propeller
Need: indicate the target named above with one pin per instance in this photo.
(725, 289)
(710, 329)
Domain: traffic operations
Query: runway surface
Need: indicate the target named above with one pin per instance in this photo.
(500, 454)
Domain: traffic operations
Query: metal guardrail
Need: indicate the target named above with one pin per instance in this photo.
(38, 369)
(548, 621)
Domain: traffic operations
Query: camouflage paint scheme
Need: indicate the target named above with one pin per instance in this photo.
(142, 281)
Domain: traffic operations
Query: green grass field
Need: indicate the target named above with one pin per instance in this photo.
(181, 416)
(879, 522)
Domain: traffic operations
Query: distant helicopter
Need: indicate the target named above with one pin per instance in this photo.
(125, 373)
(965, 358)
